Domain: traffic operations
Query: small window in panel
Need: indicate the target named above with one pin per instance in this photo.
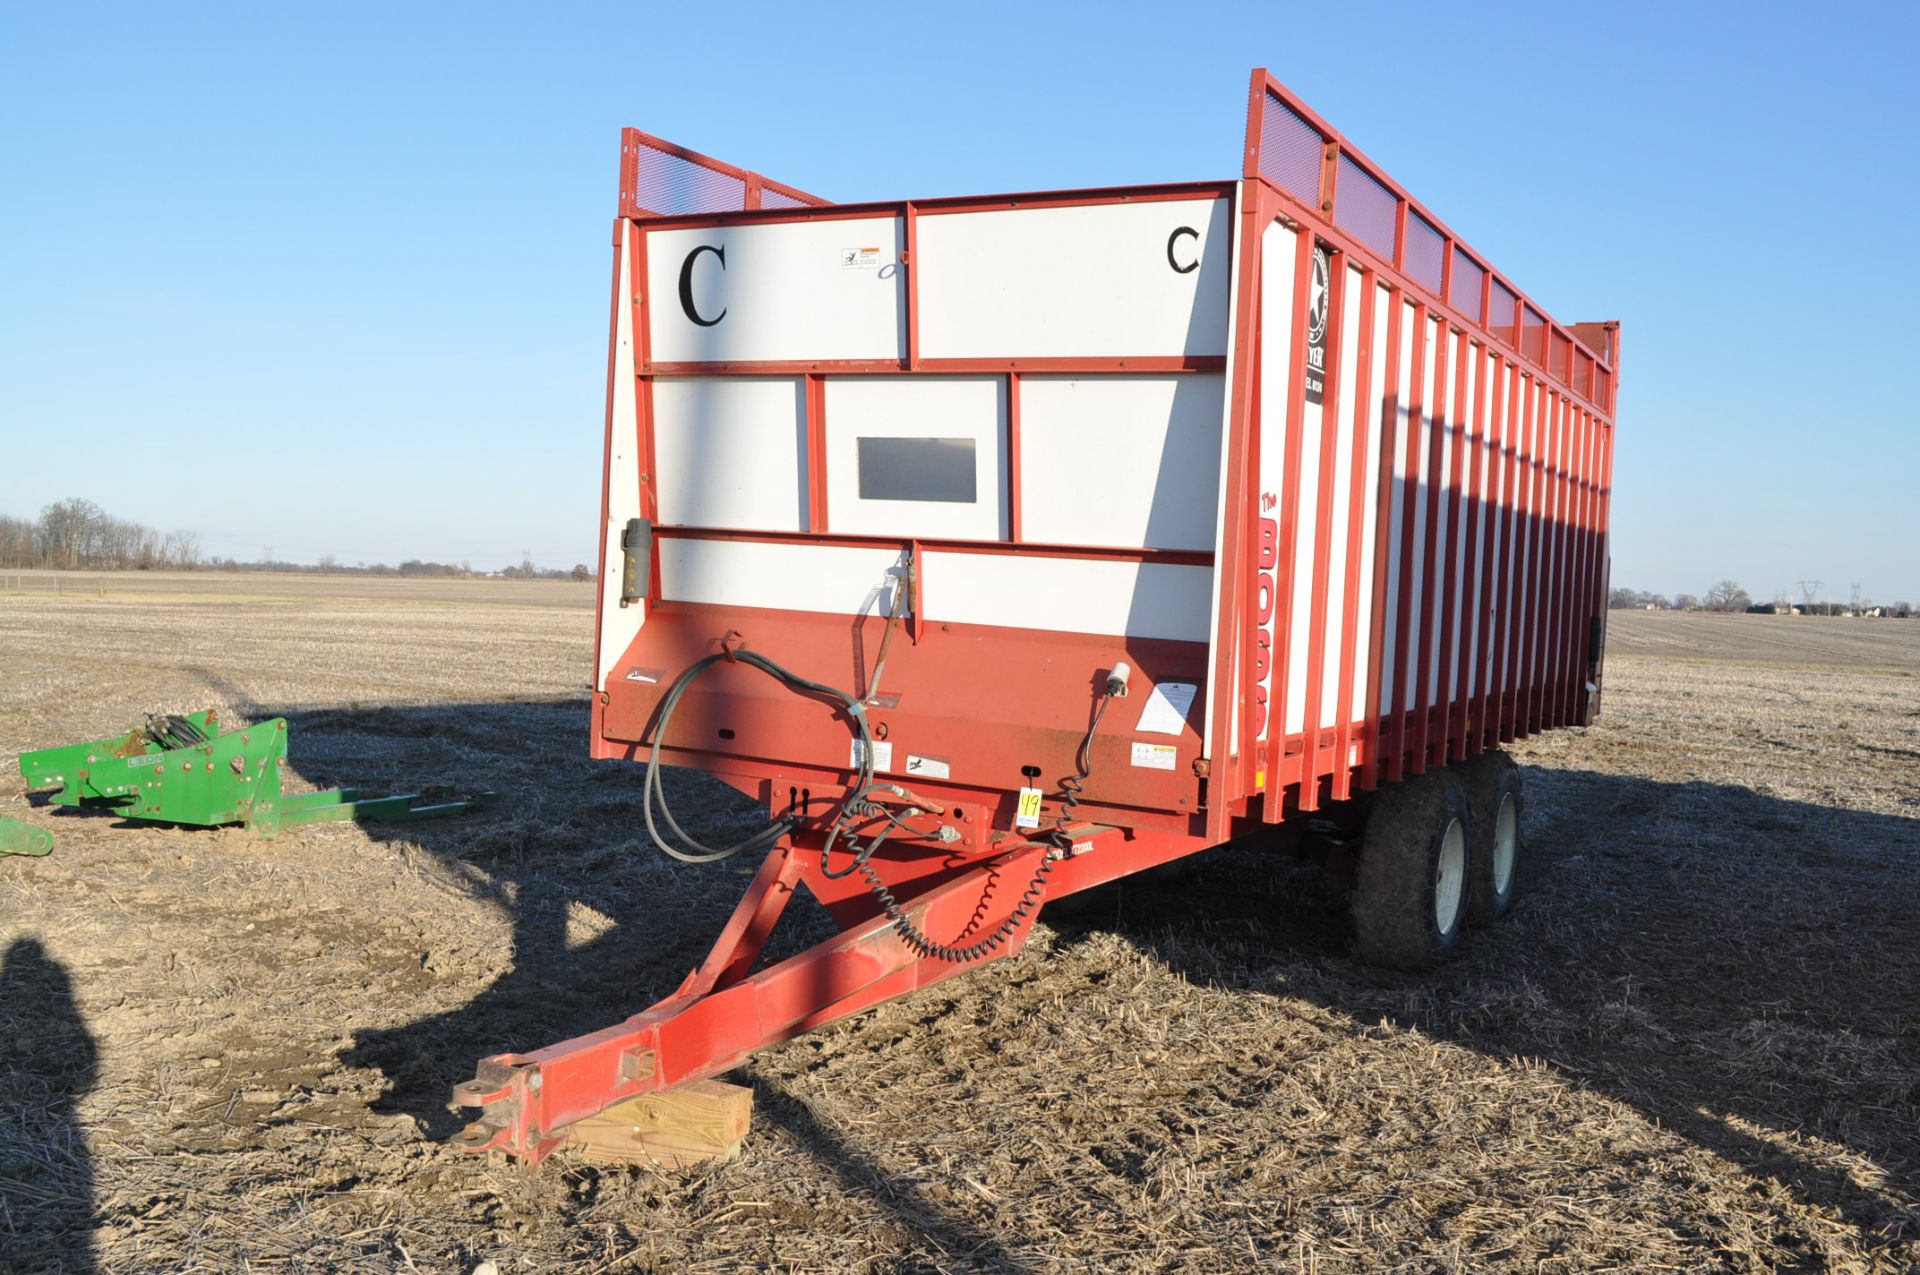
(940, 469)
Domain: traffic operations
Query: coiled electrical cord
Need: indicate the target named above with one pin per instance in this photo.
(767, 836)
(956, 953)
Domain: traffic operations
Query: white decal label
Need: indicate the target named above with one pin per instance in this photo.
(859, 258)
(1027, 814)
(929, 767)
(882, 755)
(145, 759)
(1153, 756)
(1166, 710)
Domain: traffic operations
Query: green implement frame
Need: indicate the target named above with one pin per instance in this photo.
(180, 769)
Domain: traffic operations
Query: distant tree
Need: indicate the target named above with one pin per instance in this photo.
(1728, 596)
(1686, 602)
(328, 564)
(1901, 610)
(580, 572)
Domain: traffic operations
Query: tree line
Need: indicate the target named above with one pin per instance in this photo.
(78, 533)
(1728, 596)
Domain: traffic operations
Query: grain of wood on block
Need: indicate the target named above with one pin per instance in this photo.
(695, 1124)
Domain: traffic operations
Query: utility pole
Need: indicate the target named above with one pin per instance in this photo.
(1853, 603)
(1809, 592)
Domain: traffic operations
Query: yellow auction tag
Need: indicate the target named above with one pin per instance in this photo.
(1028, 814)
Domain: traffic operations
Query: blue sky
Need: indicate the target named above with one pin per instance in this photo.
(334, 279)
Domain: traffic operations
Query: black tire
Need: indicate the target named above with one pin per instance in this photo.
(1401, 887)
(1494, 792)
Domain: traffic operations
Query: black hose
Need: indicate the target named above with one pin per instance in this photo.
(767, 836)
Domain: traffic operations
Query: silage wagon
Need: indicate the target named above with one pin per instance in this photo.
(1005, 546)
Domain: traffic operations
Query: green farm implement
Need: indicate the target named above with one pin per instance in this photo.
(19, 837)
(182, 769)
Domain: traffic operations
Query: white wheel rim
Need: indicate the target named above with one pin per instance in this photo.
(1506, 842)
(1450, 877)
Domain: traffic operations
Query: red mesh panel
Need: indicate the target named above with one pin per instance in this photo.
(1500, 312)
(1583, 372)
(1426, 251)
(1603, 389)
(670, 185)
(1562, 350)
(1364, 208)
(770, 198)
(1290, 151)
(1533, 335)
(1463, 289)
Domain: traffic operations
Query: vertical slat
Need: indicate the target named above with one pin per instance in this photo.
(1403, 612)
(816, 400)
(1472, 582)
(1493, 542)
(1378, 672)
(643, 359)
(1230, 699)
(911, 216)
(1523, 633)
(1313, 755)
(1356, 532)
(1454, 592)
(1513, 527)
(1014, 532)
(1432, 582)
(1286, 578)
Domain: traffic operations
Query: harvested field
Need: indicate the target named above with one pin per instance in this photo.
(1694, 1046)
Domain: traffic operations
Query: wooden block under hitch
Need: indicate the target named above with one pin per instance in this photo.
(697, 1123)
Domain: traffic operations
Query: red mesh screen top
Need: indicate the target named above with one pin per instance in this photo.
(1501, 313)
(1463, 288)
(1364, 208)
(663, 180)
(1426, 251)
(1290, 151)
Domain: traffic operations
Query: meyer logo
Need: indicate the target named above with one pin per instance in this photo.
(1317, 286)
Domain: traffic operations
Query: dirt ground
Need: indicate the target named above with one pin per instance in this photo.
(1694, 1046)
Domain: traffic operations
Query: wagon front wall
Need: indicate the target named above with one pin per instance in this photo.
(1015, 405)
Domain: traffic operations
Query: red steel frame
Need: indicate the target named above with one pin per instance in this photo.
(1507, 539)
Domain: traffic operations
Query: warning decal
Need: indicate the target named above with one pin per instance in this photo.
(859, 258)
(1154, 756)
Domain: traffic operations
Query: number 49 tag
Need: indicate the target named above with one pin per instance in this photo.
(1027, 815)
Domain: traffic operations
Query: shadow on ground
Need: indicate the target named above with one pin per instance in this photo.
(1743, 970)
(47, 1064)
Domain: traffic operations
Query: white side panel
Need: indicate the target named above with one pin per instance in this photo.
(1306, 516)
(1099, 280)
(1423, 492)
(777, 291)
(1121, 460)
(1370, 527)
(620, 625)
(835, 579)
(945, 407)
(1220, 523)
(1477, 610)
(1441, 481)
(1392, 659)
(731, 452)
(1069, 595)
(1278, 248)
(1355, 299)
